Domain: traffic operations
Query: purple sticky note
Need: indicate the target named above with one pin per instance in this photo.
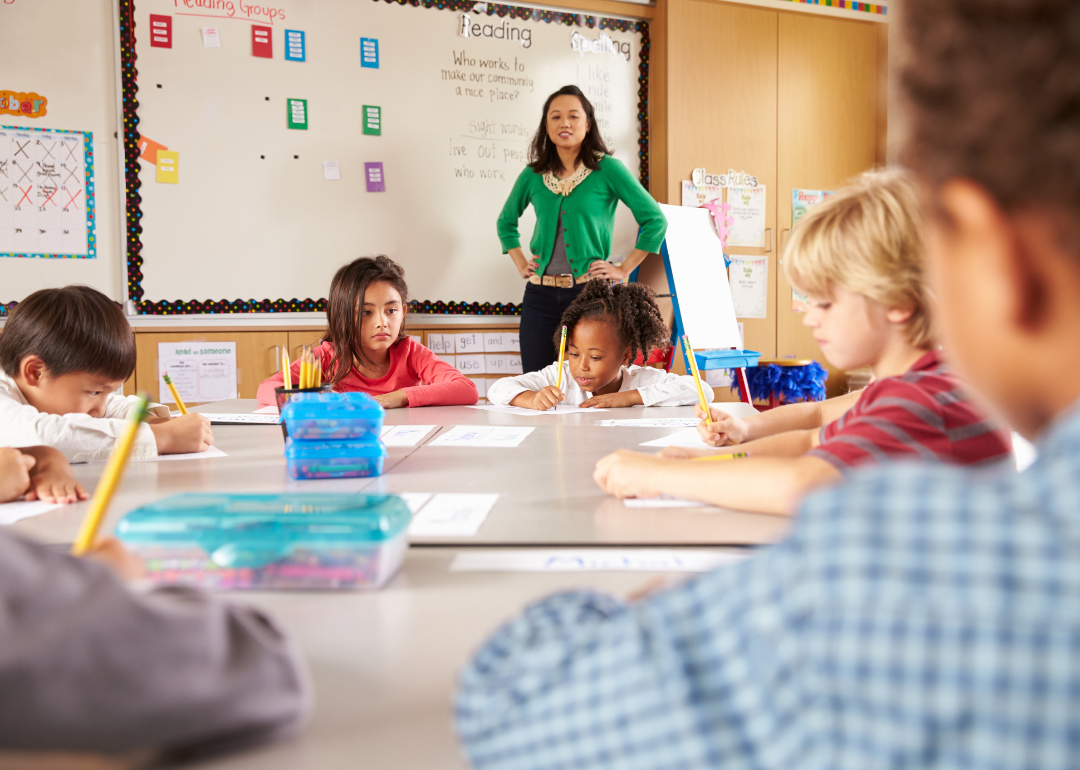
(375, 180)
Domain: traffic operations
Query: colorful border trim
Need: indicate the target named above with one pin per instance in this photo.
(91, 212)
(851, 5)
(129, 85)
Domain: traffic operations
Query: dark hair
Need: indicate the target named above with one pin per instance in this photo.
(345, 302)
(71, 329)
(544, 155)
(629, 307)
(992, 90)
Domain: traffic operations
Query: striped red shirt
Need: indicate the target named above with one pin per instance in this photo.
(924, 414)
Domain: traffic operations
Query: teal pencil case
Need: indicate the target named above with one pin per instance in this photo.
(333, 416)
(270, 541)
(334, 459)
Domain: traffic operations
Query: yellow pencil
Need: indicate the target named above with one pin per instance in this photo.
(176, 396)
(562, 356)
(318, 372)
(286, 367)
(99, 503)
(691, 364)
(732, 456)
(303, 368)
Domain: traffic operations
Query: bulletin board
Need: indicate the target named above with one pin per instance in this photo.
(305, 134)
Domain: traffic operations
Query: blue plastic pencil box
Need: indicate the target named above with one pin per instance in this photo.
(335, 416)
(270, 541)
(334, 459)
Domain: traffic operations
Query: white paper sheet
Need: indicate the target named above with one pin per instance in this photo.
(482, 436)
(250, 419)
(748, 213)
(663, 501)
(594, 560)
(415, 500)
(403, 435)
(209, 454)
(331, 170)
(272, 409)
(684, 438)
(653, 422)
(452, 514)
(749, 278)
(525, 412)
(13, 512)
(200, 371)
(210, 37)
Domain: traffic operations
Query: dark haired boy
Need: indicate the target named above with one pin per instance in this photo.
(62, 354)
(920, 615)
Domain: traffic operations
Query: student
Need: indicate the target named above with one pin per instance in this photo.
(92, 667)
(923, 614)
(859, 257)
(365, 347)
(63, 353)
(606, 327)
(38, 473)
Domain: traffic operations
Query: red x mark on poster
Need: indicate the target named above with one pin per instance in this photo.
(71, 198)
(262, 44)
(25, 195)
(50, 198)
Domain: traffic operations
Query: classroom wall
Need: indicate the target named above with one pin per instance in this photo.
(63, 50)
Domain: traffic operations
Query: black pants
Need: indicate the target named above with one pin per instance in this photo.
(541, 311)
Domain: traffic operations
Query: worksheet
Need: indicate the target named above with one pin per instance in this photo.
(524, 412)
(244, 419)
(663, 501)
(450, 514)
(17, 511)
(594, 560)
(482, 436)
(653, 422)
(404, 435)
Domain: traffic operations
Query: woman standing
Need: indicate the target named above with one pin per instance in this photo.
(574, 185)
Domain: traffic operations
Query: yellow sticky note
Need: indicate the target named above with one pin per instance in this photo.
(168, 166)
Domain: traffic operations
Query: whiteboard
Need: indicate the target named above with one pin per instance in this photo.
(701, 284)
(252, 216)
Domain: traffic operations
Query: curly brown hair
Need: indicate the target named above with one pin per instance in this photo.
(992, 91)
(628, 307)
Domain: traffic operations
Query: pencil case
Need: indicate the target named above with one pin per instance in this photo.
(270, 541)
(334, 459)
(337, 416)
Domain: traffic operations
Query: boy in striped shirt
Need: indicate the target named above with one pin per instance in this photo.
(859, 257)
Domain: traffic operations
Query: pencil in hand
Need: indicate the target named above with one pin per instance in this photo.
(176, 396)
(732, 456)
(562, 357)
(691, 365)
(110, 478)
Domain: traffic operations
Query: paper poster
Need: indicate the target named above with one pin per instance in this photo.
(201, 371)
(749, 279)
(148, 149)
(294, 45)
(748, 215)
(801, 202)
(693, 195)
(262, 44)
(26, 104)
(372, 120)
(168, 167)
(297, 113)
(369, 52)
(46, 193)
(160, 31)
(374, 174)
(331, 170)
(210, 37)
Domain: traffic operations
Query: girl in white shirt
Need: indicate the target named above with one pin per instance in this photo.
(606, 327)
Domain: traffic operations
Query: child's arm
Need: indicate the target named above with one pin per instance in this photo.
(811, 415)
(760, 484)
(655, 387)
(79, 437)
(446, 386)
(51, 480)
(15, 469)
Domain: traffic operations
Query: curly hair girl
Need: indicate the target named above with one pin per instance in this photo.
(629, 307)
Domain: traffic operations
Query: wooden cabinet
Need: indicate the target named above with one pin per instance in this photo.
(297, 340)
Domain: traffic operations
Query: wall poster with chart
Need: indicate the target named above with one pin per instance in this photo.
(46, 193)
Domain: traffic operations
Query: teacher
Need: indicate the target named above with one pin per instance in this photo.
(574, 185)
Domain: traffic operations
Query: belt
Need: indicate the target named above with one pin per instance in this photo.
(564, 281)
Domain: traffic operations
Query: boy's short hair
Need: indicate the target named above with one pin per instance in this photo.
(72, 329)
(867, 238)
(991, 90)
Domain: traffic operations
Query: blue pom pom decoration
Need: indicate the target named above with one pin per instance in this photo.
(789, 384)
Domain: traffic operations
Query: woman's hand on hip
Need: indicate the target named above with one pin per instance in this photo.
(530, 269)
(602, 269)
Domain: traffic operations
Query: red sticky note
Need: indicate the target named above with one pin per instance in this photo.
(261, 42)
(160, 31)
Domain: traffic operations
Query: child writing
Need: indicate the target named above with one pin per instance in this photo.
(859, 257)
(365, 347)
(62, 354)
(606, 327)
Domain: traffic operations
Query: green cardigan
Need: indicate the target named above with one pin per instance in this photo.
(588, 215)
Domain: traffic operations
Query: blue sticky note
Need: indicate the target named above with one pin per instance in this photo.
(369, 52)
(294, 45)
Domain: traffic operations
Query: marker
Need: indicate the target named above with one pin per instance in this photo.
(99, 503)
(688, 354)
(172, 389)
(732, 456)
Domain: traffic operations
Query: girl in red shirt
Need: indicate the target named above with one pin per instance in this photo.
(365, 347)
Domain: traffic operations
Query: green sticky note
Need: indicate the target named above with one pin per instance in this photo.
(372, 120)
(297, 113)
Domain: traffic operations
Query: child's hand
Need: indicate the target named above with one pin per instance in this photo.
(725, 429)
(626, 474)
(186, 433)
(51, 480)
(14, 473)
(395, 400)
(613, 400)
(120, 560)
(540, 400)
